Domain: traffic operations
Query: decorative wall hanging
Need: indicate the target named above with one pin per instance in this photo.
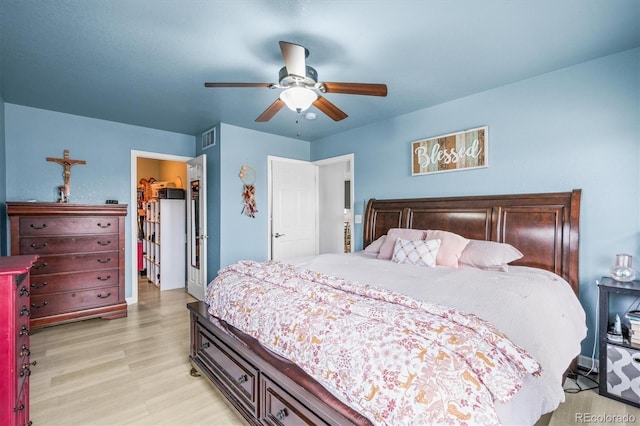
(464, 150)
(67, 163)
(248, 177)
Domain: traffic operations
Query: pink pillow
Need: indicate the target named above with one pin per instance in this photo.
(489, 255)
(386, 251)
(374, 247)
(451, 247)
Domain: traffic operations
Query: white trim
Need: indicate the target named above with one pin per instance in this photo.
(341, 159)
(587, 363)
(133, 209)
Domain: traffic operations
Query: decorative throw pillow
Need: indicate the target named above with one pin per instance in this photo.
(386, 251)
(374, 247)
(416, 252)
(489, 255)
(450, 248)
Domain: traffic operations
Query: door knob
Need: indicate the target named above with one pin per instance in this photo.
(278, 235)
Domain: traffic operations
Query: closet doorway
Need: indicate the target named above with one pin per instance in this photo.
(167, 171)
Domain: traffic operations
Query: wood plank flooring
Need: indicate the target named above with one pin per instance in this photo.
(135, 371)
(129, 371)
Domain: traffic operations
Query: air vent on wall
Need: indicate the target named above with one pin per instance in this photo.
(209, 138)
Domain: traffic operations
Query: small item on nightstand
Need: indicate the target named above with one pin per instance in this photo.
(615, 335)
(622, 270)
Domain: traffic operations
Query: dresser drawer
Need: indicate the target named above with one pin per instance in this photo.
(75, 244)
(240, 377)
(75, 262)
(56, 303)
(65, 225)
(280, 408)
(54, 283)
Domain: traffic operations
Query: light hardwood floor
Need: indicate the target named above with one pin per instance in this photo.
(135, 371)
(129, 371)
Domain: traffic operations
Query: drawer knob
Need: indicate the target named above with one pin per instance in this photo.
(39, 285)
(101, 278)
(107, 260)
(205, 345)
(104, 296)
(34, 305)
(44, 225)
(104, 226)
(24, 291)
(242, 379)
(38, 245)
(280, 415)
(40, 265)
(25, 351)
(104, 243)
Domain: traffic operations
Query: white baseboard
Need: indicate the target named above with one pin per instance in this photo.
(588, 362)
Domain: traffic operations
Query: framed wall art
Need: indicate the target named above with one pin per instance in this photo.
(464, 150)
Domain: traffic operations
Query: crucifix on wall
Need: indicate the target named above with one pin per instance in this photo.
(67, 163)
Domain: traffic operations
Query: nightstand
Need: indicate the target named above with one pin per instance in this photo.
(619, 361)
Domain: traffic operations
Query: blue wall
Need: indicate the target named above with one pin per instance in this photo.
(242, 237)
(3, 185)
(33, 134)
(574, 128)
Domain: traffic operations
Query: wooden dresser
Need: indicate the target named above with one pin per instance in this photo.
(14, 339)
(80, 270)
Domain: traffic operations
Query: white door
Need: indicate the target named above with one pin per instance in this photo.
(197, 227)
(294, 202)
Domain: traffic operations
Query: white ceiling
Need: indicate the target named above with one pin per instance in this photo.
(144, 62)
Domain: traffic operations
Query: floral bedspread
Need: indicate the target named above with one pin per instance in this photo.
(392, 358)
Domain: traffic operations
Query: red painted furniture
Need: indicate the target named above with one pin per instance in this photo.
(14, 339)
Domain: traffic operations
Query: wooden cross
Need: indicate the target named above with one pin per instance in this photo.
(67, 163)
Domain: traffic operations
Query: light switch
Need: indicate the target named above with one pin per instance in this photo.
(357, 218)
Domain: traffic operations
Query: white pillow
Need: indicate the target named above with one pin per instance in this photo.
(489, 255)
(416, 252)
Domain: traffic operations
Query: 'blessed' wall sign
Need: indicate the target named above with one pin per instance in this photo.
(468, 149)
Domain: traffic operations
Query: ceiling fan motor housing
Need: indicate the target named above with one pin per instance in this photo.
(309, 80)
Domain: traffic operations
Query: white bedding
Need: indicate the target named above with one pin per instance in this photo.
(535, 308)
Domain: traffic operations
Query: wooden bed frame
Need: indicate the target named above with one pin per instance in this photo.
(267, 389)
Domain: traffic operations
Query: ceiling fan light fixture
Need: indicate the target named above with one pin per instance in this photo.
(298, 98)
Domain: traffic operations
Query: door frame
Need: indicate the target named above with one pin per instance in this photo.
(343, 159)
(318, 163)
(133, 212)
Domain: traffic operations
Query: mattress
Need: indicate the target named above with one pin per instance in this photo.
(535, 309)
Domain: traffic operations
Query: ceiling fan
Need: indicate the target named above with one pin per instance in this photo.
(302, 89)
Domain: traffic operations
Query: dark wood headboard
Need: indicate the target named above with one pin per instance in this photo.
(544, 227)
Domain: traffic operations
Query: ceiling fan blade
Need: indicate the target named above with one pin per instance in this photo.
(267, 85)
(330, 109)
(270, 111)
(366, 89)
(294, 58)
